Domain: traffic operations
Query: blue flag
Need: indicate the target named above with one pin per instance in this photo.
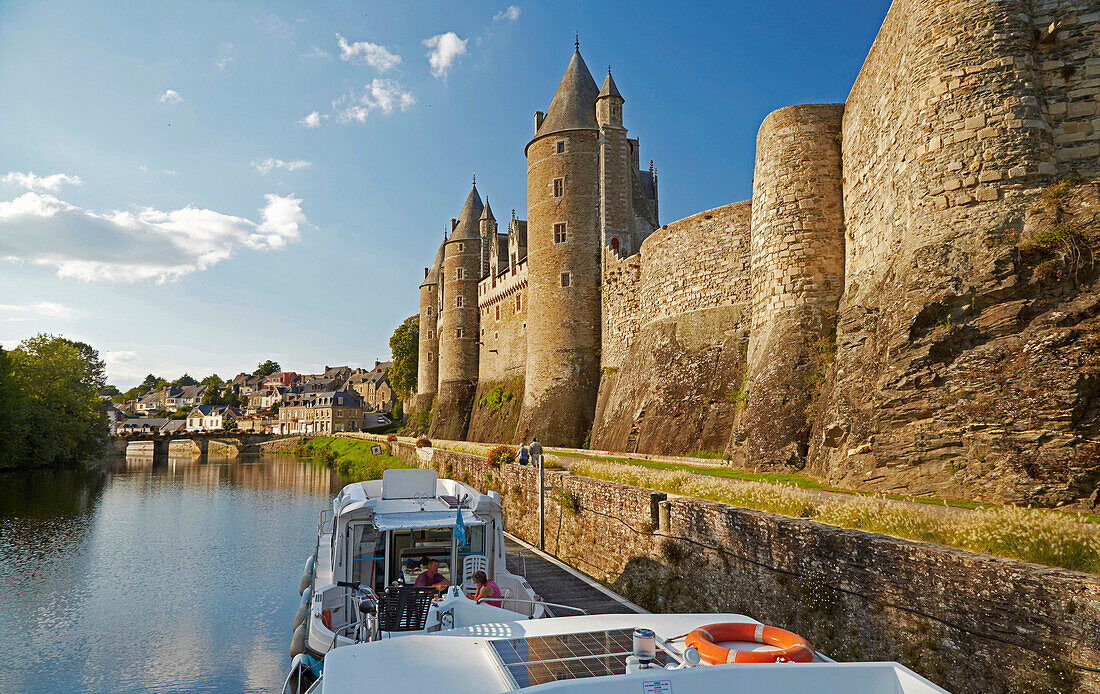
(460, 529)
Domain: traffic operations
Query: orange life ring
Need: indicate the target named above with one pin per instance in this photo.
(326, 619)
(705, 639)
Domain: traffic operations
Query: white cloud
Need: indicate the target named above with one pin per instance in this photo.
(382, 95)
(171, 96)
(511, 14)
(275, 25)
(315, 52)
(267, 165)
(30, 181)
(367, 53)
(148, 244)
(313, 119)
(42, 309)
(445, 49)
(123, 365)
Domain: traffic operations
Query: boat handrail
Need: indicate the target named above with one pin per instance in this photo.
(533, 602)
(321, 519)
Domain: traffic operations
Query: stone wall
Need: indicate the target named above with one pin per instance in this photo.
(678, 341)
(972, 623)
(966, 359)
(503, 326)
(621, 317)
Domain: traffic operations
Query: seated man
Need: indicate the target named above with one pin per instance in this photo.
(432, 578)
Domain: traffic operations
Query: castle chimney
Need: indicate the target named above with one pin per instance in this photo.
(539, 117)
(454, 223)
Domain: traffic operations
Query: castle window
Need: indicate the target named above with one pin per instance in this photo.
(429, 357)
(460, 273)
(513, 262)
(429, 312)
(519, 303)
(431, 334)
(458, 333)
(458, 302)
(559, 187)
(496, 336)
(565, 279)
(615, 243)
(460, 246)
(498, 311)
(560, 146)
(559, 232)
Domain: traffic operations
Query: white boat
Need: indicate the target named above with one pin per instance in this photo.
(359, 583)
(610, 654)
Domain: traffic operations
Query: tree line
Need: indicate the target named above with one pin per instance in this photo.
(218, 391)
(51, 405)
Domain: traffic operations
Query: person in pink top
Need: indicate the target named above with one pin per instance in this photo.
(487, 590)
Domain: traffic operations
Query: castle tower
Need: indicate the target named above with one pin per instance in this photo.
(427, 377)
(488, 229)
(616, 213)
(563, 241)
(458, 341)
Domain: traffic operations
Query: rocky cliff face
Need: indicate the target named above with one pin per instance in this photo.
(981, 379)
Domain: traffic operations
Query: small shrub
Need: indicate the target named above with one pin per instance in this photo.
(391, 437)
(568, 501)
(1053, 194)
(495, 398)
(500, 456)
(423, 442)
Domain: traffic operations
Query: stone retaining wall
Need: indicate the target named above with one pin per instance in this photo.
(972, 623)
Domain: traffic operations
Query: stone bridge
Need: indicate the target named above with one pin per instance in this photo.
(229, 444)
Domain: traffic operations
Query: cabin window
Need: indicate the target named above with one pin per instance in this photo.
(559, 187)
(566, 279)
(368, 552)
(559, 232)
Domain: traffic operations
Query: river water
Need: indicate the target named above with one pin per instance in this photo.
(168, 577)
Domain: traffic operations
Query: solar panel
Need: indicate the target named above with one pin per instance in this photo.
(542, 659)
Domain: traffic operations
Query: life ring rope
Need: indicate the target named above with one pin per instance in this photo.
(792, 647)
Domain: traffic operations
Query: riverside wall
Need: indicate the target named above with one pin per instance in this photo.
(974, 624)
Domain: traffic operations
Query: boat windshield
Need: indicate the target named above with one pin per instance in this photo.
(368, 553)
(411, 550)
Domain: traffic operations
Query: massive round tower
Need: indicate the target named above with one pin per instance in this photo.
(563, 237)
(427, 376)
(458, 341)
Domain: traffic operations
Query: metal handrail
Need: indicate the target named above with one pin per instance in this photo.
(533, 602)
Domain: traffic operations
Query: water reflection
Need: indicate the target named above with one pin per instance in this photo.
(178, 575)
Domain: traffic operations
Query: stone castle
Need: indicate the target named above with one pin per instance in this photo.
(906, 304)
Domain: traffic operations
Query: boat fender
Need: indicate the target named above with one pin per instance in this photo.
(793, 648)
(307, 576)
(300, 615)
(298, 641)
(306, 596)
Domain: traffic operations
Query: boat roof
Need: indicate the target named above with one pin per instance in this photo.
(472, 660)
(413, 498)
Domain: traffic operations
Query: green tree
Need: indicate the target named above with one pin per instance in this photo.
(109, 391)
(229, 424)
(212, 396)
(185, 380)
(405, 346)
(230, 398)
(213, 381)
(267, 368)
(151, 382)
(51, 389)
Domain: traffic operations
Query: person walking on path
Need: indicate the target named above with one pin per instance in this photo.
(536, 450)
(524, 456)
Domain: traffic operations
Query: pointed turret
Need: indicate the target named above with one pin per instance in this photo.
(467, 227)
(573, 106)
(609, 87)
(432, 276)
(487, 213)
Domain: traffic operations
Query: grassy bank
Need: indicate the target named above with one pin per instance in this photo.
(1043, 537)
(351, 458)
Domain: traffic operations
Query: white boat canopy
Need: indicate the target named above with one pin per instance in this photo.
(412, 520)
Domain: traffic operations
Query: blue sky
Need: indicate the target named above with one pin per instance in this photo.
(199, 186)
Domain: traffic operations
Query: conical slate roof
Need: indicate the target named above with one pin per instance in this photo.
(574, 104)
(433, 272)
(487, 213)
(609, 87)
(467, 229)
